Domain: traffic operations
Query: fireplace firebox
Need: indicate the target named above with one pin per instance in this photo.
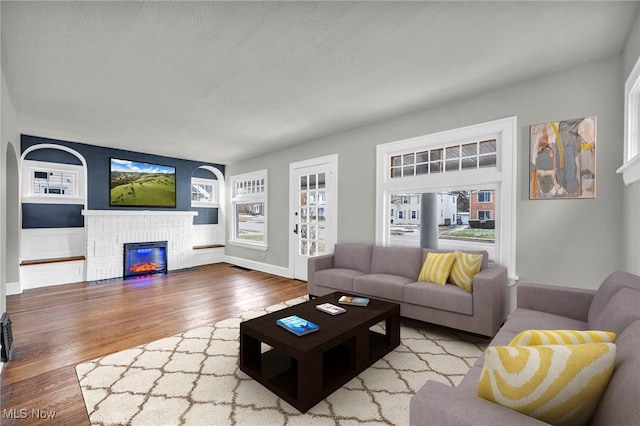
(147, 258)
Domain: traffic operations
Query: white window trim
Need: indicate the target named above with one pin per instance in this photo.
(215, 199)
(501, 178)
(248, 198)
(25, 181)
(631, 162)
(30, 167)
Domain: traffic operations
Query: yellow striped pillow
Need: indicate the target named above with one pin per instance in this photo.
(558, 384)
(437, 267)
(562, 337)
(464, 268)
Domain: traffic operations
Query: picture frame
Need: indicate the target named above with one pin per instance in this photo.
(562, 159)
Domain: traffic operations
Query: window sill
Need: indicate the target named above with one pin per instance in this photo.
(204, 205)
(52, 199)
(631, 170)
(253, 246)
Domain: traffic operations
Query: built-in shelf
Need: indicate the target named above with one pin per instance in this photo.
(53, 260)
(210, 246)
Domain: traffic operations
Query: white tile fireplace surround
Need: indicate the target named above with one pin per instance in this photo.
(108, 231)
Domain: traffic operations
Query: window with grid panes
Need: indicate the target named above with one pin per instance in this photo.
(470, 158)
(204, 192)
(249, 210)
(452, 158)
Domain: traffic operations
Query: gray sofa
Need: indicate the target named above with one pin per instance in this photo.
(614, 306)
(391, 273)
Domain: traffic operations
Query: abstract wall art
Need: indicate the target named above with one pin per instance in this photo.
(562, 158)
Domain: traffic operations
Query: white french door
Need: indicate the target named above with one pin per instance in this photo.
(313, 211)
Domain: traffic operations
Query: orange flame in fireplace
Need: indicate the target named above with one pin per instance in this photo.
(143, 267)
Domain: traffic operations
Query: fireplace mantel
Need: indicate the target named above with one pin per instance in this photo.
(137, 213)
(108, 230)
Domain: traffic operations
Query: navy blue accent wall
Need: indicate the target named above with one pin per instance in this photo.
(204, 173)
(205, 216)
(52, 216)
(97, 159)
(54, 156)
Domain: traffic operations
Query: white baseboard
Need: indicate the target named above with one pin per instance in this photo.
(47, 274)
(13, 288)
(259, 266)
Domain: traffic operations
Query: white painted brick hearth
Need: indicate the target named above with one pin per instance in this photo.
(109, 230)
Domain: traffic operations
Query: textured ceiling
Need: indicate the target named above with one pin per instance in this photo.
(223, 81)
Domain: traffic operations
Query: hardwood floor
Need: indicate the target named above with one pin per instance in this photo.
(56, 328)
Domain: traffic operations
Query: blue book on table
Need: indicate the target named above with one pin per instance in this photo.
(297, 325)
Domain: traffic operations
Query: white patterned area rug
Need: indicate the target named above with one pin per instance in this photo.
(194, 379)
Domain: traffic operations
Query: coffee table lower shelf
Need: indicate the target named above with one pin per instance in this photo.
(279, 373)
(304, 383)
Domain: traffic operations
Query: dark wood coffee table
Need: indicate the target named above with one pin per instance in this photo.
(303, 370)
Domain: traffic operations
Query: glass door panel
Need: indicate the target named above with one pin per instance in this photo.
(311, 213)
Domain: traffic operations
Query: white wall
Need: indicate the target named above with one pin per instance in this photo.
(632, 48)
(3, 202)
(9, 148)
(570, 242)
(631, 208)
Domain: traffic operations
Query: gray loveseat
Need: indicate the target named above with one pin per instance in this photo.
(391, 273)
(614, 306)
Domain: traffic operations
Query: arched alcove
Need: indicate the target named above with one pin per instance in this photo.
(210, 232)
(221, 192)
(73, 152)
(52, 194)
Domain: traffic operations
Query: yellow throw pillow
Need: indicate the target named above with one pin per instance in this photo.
(464, 268)
(436, 267)
(558, 384)
(562, 337)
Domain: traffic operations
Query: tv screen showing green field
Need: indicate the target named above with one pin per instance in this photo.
(136, 184)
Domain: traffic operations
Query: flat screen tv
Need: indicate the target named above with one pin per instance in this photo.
(137, 184)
